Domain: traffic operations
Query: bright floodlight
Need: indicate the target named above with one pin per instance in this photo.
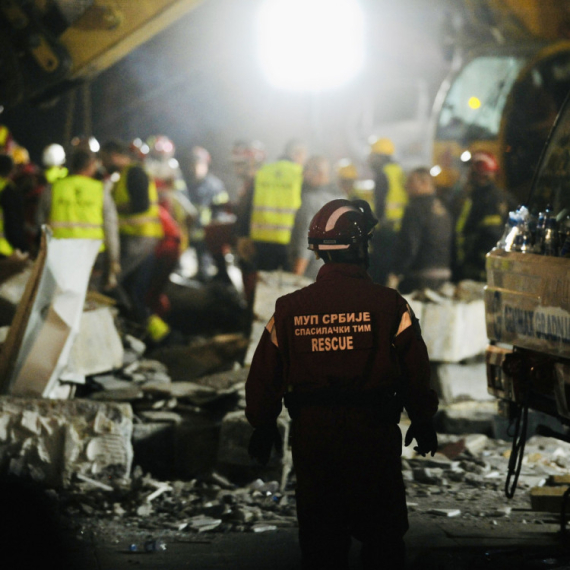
(309, 45)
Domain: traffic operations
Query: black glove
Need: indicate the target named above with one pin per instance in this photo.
(262, 441)
(425, 435)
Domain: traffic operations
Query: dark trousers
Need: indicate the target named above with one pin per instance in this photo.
(349, 484)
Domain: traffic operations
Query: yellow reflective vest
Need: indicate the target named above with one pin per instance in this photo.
(4, 135)
(5, 247)
(397, 198)
(144, 224)
(276, 199)
(77, 208)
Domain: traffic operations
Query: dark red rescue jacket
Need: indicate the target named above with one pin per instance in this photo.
(339, 333)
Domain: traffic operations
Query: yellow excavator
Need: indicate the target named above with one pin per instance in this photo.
(510, 77)
(511, 97)
(49, 46)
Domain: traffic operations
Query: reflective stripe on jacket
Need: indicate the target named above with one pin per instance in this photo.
(145, 224)
(397, 198)
(5, 247)
(276, 199)
(77, 208)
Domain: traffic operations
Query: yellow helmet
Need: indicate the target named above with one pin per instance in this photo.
(20, 155)
(346, 169)
(382, 146)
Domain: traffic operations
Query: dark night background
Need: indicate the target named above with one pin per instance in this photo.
(199, 82)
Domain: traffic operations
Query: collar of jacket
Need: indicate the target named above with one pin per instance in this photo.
(333, 270)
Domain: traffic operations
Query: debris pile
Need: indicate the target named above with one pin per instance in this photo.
(213, 505)
(54, 442)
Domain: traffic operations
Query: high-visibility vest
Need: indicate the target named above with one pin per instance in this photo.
(397, 197)
(276, 199)
(145, 224)
(77, 208)
(4, 135)
(5, 247)
(55, 173)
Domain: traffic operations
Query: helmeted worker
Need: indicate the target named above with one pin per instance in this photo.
(209, 196)
(53, 160)
(11, 211)
(481, 215)
(346, 354)
(276, 199)
(318, 189)
(390, 200)
(247, 157)
(424, 243)
(78, 207)
(140, 228)
(160, 162)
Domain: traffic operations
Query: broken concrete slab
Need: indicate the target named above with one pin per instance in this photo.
(467, 417)
(97, 347)
(52, 441)
(47, 320)
(453, 381)
(202, 357)
(452, 330)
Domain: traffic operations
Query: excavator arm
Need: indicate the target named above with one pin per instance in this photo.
(47, 46)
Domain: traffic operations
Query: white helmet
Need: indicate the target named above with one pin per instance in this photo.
(53, 155)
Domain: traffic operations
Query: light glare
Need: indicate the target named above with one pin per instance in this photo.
(474, 102)
(435, 170)
(465, 156)
(309, 45)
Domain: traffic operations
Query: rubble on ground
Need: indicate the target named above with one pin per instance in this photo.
(53, 442)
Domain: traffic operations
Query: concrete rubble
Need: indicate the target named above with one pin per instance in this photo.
(53, 442)
(158, 441)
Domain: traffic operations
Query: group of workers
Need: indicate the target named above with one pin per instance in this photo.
(132, 197)
(137, 201)
(426, 235)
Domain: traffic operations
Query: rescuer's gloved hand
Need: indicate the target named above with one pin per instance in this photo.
(262, 441)
(425, 435)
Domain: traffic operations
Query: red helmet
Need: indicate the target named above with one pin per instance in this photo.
(341, 224)
(483, 161)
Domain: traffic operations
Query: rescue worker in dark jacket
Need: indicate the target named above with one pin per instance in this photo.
(346, 354)
(423, 246)
(481, 216)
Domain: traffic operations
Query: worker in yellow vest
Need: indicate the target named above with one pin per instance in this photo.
(140, 228)
(11, 211)
(7, 142)
(53, 159)
(276, 199)
(390, 200)
(78, 207)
